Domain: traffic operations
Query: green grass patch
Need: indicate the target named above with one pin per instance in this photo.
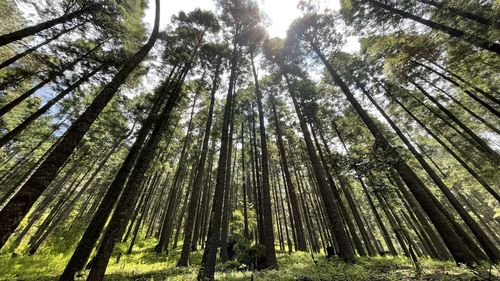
(145, 265)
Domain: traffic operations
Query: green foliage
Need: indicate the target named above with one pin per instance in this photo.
(145, 264)
(252, 256)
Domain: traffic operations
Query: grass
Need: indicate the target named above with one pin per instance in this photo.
(144, 265)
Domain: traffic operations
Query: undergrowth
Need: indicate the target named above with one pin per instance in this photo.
(145, 265)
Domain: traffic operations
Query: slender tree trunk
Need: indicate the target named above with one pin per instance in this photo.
(416, 209)
(461, 105)
(481, 144)
(32, 30)
(484, 240)
(334, 217)
(207, 269)
(257, 187)
(463, 80)
(246, 232)
(471, 39)
(226, 208)
(448, 149)
(462, 13)
(385, 233)
(344, 186)
(125, 205)
(469, 93)
(176, 186)
(312, 234)
(266, 190)
(42, 110)
(459, 250)
(199, 230)
(343, 210)
(36, 47)
(100, 217)
(19, 205)
(83, 250)
(301, 242)
(198, 181)
(51, 76)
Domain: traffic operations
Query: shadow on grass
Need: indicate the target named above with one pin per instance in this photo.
(146, 265)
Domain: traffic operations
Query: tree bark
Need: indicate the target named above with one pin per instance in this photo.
(334, 217)
(198, 181)
(486, 243)
(459, 250)
(32, 30)
(207, 269)
(266, 189)
(471, 39)
(42, 110)
(19, 205)
(301, 241)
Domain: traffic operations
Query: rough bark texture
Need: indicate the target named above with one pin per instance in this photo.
(207, 270)
(459, 250)
(19, 205)
(345, 249)
(266, 189)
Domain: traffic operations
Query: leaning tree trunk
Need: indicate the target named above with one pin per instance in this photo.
(42, 110)
(94, 229)
(459, 250)
(174, 192)
(486, 243)
(448, 149)
(36, 47)
(333, 214)
(466, 91)
(480, 143)
(51, 76)
(471, 39)
(19, 205)
(128, 198)
(32, 30)
(462, 13)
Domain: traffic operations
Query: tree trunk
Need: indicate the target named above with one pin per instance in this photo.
(246, 232)
(301, 241)
(484, 240)
(207, 269)
(32, 30)
(461, 105)
(36, 47)
(80, 127)
(464, 14)
(334, 217)
(51, 76)
(471, 39)
(198, 181)
(447, 148)
(42, 110)
(460, 251)
(469, 93)
(226, 208)
(266, 190)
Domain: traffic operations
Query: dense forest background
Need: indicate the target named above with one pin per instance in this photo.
(209, 149)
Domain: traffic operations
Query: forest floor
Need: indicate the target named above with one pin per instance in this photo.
(145, 265)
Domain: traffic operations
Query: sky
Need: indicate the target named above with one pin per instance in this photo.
(280, 12)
